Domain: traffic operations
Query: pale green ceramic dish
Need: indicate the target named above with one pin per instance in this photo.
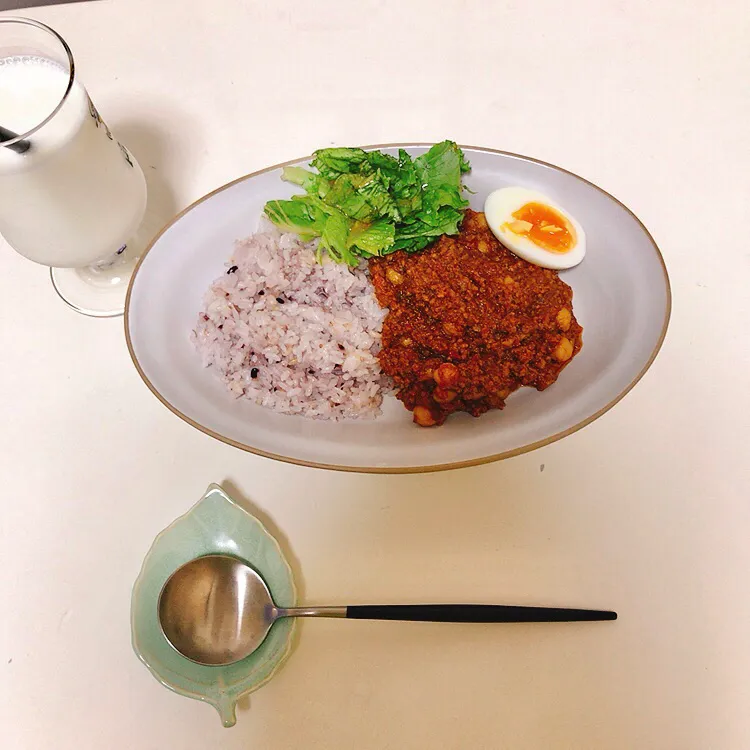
(216, 524)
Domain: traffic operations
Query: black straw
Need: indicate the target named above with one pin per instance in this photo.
(21, 147)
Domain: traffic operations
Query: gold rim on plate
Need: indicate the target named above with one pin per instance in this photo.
(403, 469)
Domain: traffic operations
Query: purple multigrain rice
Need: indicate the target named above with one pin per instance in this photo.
(314, 355)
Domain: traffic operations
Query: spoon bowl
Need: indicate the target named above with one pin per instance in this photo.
(216, 610)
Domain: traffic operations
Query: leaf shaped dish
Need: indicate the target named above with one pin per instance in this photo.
(216, 524)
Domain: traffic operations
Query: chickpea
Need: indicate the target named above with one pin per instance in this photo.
(446, 376)
(406, 342)
(483, 247)
(443, 395)
(394, 276)
(450, 329)
(503, 394)
(564, 319)
(507, 280)
(423, 417)
(564, 350)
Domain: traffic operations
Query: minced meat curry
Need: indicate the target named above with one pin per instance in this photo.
(469, 323)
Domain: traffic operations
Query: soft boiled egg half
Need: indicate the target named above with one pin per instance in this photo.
(535, 228)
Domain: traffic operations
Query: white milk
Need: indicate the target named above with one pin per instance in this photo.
(76, 196)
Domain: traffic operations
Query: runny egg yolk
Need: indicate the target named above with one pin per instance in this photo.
(544, 226)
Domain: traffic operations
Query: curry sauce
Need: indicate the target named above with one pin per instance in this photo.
(469, 323)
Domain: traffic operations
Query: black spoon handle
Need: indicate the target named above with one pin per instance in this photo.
(21, 147)
(474, 613)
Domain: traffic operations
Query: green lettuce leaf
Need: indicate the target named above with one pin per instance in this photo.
(302, 177)
(335, 236)
(372, 239)
(362, 197)
(367, 203)
(332, 162)
(299, 216)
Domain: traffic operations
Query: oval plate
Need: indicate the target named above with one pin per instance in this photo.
(621, 298)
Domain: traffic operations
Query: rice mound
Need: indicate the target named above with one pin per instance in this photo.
(291, 334)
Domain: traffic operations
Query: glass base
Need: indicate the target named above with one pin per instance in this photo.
(100, 290)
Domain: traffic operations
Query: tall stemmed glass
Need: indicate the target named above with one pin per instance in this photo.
(71, 195)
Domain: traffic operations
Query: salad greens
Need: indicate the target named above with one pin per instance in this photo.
(365, 203)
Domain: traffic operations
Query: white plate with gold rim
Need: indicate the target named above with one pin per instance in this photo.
(621, 298)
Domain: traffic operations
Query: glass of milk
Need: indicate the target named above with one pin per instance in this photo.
(71, 195)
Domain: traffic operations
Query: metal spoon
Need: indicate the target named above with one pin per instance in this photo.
(217, 610)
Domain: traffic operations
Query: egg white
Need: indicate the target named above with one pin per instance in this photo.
(499, 209)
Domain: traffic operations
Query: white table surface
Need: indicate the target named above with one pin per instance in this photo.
(645, 511)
